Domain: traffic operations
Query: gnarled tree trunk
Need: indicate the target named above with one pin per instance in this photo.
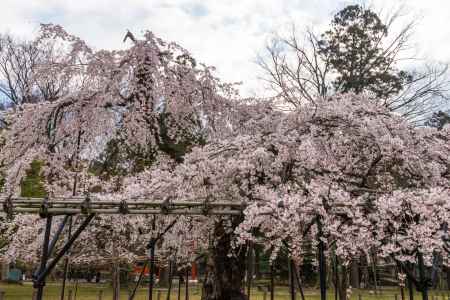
(224, 274)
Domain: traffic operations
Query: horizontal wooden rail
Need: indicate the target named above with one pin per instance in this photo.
(77, 205)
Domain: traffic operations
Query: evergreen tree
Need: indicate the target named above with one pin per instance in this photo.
(356, 50)
(439, 120)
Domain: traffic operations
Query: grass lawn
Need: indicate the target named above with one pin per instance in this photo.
(91, 292)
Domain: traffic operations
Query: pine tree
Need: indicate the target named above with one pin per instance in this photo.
(355, 49)
(439, 120)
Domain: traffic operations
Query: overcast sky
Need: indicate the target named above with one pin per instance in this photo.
(225, 33)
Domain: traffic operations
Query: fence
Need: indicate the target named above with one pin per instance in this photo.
(256, 294)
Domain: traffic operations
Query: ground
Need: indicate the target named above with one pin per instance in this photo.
(91, 292)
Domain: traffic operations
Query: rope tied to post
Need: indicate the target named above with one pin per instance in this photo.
(86, 205)
(243, 206)
(123, 207)
(8, 207)
(166, 206)
(43, 209)
(206, 207)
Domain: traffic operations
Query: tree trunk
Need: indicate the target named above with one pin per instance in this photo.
(354, 275)
(250, 264)
(336, 276)
(298, 281)
(272, 281)
(343, 283)
(257, 264)
(322, 265)
(374, 271)
(291, 279)
(448, 278)
(422, 276)
(163, 277)
(410, 288)
(224, 274)
(179, 285)
(4, 265)
(364, 271)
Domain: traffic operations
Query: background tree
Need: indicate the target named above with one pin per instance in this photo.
(41, 69)
(360, 53)
(17, 62)
(439, 120)
(296, 70)
(356, 49)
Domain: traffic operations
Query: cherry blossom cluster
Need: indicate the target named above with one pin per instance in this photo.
(126, 112)
(150, 122)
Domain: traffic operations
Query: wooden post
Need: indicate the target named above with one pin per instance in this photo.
(39, 285)
(322, 263)
(169, 290)
(158, 295)
(66, 260)
(2, 295)
(100, 295)
(186, 294)
(138, 283)
(179, 286)
(152, 245)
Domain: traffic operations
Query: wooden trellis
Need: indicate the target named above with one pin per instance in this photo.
(90, 207)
